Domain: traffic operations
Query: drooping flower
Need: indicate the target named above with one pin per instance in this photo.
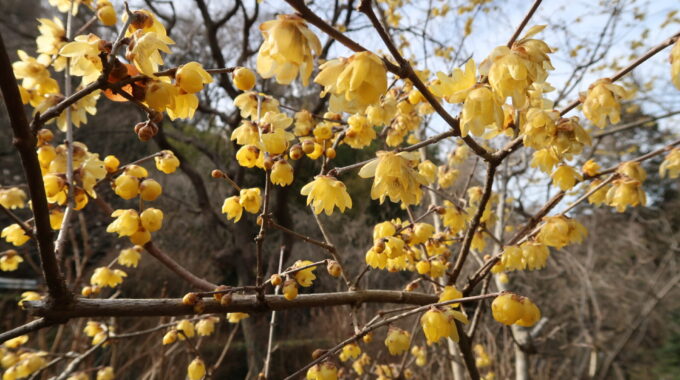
(12, 198)
(244, 79)
(232, 208)
(559, 231)
(191, 77)
(196, 369)
(34, 73)
(325, 193)
(145, 51)
(603, 101)
(15, 235)
(354, 83)
(397, 340)
(565, 177)
(104, 276)
(395, 177)
(289, 48)
(250, 199)
(282, 173)
(167, 162)
(84, 53)
(670, 164)
(126, 223)
(454, 88)
(130, 257)
(439, 324)
(306, 276)
(360, 133)
(482, 110)
(10, 260)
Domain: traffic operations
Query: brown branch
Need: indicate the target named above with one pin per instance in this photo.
(524, 22)
(24, 141)
(28, 230)
(84, 307)
(469, 235)
(182, 272)
(29, 327)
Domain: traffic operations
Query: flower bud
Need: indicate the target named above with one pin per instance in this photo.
(330, 153)
(308, 146)
(244, 79)
(221, 288)
(217, 173)
(296, 152)
(334, 268)
(276, 280)
(190, 299)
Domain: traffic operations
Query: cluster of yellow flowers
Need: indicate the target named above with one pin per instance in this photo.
(18, 362)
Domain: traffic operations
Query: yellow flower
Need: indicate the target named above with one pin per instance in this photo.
(670, 164)
(324, 371)
(482, 360)
(29, 296)
(12, 198)
(15, 234)
(305, 276)
(397, 340)
(126, 224)
(325, 193)
(107, 15)
(481, 110)
(454, 217)
(450, 293)
(10, 260)
(170, 337)
(144, 51)
(248, 156)
(184, 106)
(64, 6)
(540, 127)
(104, 276)
(246, 134)
(603, 101)
(232, 207)
(147, 22)
(282, 173)
(565, 177)
(191, 77)
(130, 257)
(250, 199)
(545, 160)
(51, 37)
(34, 73)
(428, 170)
(632, 169)
(274, 137)
(111, 163)
(600, 196)
(105, 373)
(439, 324)
(559, 231)
(304, 123)
(126, 186)
(624, 192)
(675, 64)
(507, 309)
(535, 255)
(395, 177)
(354, 83)
(455, 88)
(196, 369)
(160, 95)
(290, 289)
(244, 79)
(591, 168)
(236, 317)
(206, 326)
(84, 53)
(187, 328)
(289, 47)
(150, 189)
(350, 351)
(247, 104)
(151, 219)
(360, 133)
(16, 342)
(447, 177)
(512, 70)
(167, 162)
